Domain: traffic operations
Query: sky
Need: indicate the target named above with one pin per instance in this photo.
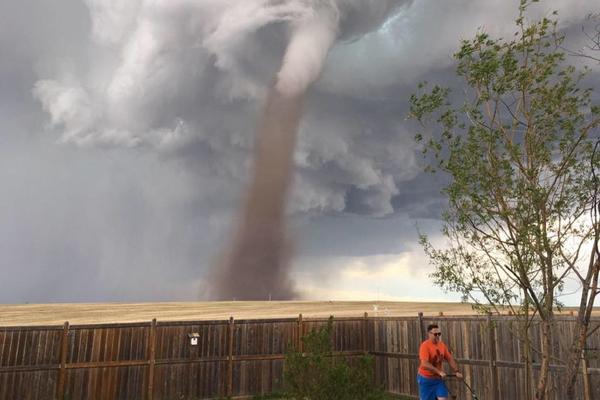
(126, 137)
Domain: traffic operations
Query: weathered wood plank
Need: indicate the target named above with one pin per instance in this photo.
(112, 361)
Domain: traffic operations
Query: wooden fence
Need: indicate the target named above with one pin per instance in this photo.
(156, 360)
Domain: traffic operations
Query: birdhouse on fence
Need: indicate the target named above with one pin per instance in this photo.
(193, 338)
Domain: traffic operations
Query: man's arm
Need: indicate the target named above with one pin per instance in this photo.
(453, 365)
(429, 367)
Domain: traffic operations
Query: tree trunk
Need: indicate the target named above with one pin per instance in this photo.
(542, 385)
(526, 346)
(528, 370)
(588, 296)
(575, 359)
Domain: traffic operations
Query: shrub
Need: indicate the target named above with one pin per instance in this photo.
(316, 374)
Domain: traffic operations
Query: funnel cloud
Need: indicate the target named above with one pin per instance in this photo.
(257, 264)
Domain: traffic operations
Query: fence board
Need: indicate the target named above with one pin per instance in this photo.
(113, 361)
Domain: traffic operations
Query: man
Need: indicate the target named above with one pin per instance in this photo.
(431, 375)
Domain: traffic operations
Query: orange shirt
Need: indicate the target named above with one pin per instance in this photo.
(435, 354)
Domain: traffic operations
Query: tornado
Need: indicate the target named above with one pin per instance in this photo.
(256, 265)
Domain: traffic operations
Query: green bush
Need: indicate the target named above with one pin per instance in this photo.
(318, 375)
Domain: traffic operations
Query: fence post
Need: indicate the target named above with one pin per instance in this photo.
(300, 333)
(332, 341)
(151, 358)
(492, 353)
(421, 327)
(364, 332)
(230, 357)
(466, 331)
(587, 395)
(62, 372)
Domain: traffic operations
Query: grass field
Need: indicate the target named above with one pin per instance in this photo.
(95, 313)
(56, 314)
(388, 397)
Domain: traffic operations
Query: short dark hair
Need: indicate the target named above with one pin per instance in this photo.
(432, 326)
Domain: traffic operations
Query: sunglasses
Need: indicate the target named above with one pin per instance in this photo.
(436, 334)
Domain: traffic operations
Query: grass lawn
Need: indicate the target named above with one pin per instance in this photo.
(278, 397)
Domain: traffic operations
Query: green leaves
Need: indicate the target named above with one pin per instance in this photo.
(428, 102)
(518, 151)
(316, 374)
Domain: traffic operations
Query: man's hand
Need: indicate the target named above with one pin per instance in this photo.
(442, 374)
(459, 375)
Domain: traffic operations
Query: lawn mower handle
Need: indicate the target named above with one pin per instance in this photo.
(466, 384)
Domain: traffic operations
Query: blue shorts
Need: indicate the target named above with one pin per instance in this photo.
(431, 388)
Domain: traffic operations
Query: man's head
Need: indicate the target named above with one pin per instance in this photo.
(434, 333)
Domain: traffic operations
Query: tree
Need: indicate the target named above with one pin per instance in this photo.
(522, 215)
(316, 373)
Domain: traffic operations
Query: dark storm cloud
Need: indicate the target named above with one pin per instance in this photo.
(121, 172)
(345, 236)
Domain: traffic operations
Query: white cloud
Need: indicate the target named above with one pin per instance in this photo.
(68, 105)
(378, 267)
(112, 19)
(402, 276)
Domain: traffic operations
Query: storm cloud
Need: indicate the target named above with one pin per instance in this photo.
(128, 131)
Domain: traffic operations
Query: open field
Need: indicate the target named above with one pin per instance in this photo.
(95, 313)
